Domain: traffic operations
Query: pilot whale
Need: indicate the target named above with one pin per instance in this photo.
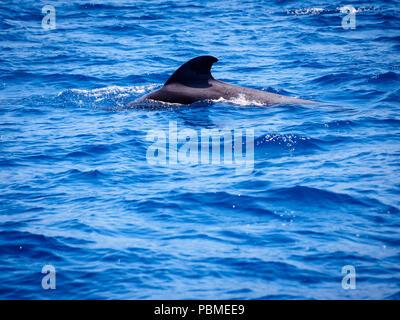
(193, 82)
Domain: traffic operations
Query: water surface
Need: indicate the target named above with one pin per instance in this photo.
(78, 193)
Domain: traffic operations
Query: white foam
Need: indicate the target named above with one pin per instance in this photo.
(240, 100)
(317, 11)
(116, 91)
(305, 11)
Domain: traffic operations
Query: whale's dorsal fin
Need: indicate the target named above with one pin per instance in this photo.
(196, 70)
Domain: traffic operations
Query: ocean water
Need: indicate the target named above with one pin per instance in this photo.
(79, 193)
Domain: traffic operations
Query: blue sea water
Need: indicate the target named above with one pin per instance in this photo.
(78, 192)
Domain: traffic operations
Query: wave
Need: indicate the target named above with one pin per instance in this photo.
(21, 75)
(309, 197)
(386, 78)
(74, 175)
(100, 6)
(336, 79)
(210, 202)
(108, 97)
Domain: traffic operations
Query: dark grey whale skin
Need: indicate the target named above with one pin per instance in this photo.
(193, 82)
